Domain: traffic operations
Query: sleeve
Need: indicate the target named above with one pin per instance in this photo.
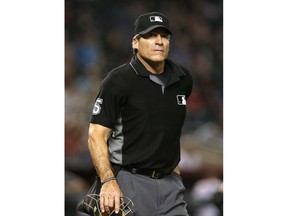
(189, 82)
(190, 85)
(109, 101)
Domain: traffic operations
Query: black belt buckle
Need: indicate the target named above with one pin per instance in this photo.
(155, 175)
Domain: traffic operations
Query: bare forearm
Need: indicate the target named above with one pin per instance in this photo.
(97, 144)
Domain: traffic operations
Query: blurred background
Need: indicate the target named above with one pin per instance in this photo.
(98, 37)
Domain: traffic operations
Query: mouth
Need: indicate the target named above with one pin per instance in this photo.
(158, 50)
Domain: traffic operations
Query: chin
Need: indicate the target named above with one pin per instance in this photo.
(158, 58)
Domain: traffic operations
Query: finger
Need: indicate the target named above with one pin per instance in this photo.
(111, 202)
(117, 204)
(106, 205)
(102, 204)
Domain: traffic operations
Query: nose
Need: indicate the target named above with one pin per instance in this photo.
(158, 39)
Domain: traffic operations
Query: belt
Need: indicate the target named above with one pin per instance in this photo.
(154, 174)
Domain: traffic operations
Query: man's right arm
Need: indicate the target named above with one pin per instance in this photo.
(97, 143)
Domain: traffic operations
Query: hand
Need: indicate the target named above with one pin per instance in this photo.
(177, 170)
(110, 194)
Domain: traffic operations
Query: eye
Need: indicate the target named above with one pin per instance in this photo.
(165, 35)
(149, 35)
(152, 34)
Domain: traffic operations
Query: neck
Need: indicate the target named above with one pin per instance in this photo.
(151, 66)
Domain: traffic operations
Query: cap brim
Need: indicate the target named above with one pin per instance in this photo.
(154, 27)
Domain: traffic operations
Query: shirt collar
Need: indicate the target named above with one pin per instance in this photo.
(140, 69)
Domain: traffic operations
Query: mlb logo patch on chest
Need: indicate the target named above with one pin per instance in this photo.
(181, 99)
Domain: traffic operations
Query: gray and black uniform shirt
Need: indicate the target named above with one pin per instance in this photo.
(146, 114)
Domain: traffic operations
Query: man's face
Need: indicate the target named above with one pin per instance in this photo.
(153, 46)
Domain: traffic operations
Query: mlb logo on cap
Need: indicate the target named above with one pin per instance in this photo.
(156, 19)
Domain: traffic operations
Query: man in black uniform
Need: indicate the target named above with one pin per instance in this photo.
(135, 127)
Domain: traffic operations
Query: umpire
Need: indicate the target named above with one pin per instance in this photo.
(135, 127)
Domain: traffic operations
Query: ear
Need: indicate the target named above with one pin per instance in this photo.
(134, 43)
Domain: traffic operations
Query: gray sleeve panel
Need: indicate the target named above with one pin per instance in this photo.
(116, 142)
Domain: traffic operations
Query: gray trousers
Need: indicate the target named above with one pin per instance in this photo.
(154, 197)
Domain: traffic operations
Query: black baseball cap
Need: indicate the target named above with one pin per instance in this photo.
(149, 21)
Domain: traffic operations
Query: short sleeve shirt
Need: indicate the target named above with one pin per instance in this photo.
(145, 115)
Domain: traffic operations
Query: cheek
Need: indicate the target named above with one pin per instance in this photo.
(145, 46)
(167, 46)
(144, 49)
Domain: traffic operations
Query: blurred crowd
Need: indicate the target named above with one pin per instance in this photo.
(98, 37)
